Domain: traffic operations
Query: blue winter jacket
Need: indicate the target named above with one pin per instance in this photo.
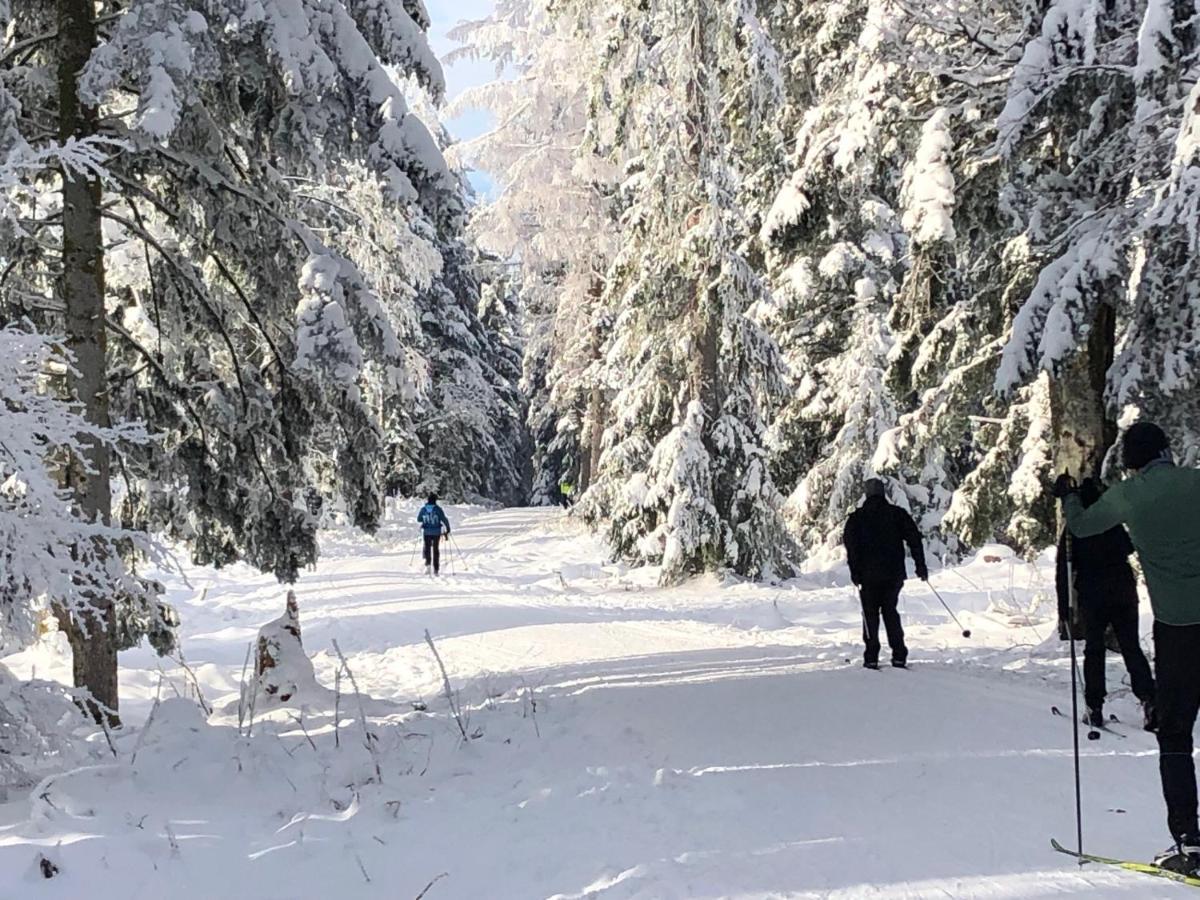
(433, 520)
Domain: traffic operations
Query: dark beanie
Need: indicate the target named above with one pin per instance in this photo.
(873, 487)
(1143, 443)
(433, 498)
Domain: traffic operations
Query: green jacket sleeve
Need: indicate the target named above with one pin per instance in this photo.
(1109, 511)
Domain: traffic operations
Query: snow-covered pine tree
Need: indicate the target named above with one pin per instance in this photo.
(472, 436)
(238, 326)
(893, 181)
(1103, 101)
(550, 216)
(971, 463)
(55, 554)
(471, 432)
(52, 559)
(838, 254)
(683, 478)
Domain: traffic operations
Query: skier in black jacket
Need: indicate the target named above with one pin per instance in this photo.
(875, 536)
(1107, 595)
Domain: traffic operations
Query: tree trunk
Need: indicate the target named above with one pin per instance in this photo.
(704, 370)
(592, 432)
(597, 412)
(1083, 431)
(91, 632)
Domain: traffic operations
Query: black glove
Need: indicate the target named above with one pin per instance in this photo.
(923, 573)
(1064, 486)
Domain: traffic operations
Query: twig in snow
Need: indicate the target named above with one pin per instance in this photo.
(162, 674)
(529, 695)
(299, 719)
(454, 707)
(362, 714)
(431, 884)
(108, 735)
(428, 756)
(362, 868)
(171, 839)
(252, 688)
(149, 720)
(204, 704)
(242, 698)
(337, 708)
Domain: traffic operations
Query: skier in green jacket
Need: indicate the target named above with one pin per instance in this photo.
(1160, 505)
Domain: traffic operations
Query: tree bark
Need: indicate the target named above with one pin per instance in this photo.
(91, 632)
(590, 455)
(1083, 429)
(592, 432)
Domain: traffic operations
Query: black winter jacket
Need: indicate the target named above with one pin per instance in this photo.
(1102, 572)
(875, 536)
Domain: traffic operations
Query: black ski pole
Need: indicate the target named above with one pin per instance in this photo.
(966, 632)
(1075, 731)
(1072, 618)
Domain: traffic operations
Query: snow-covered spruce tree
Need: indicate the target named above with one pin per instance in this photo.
(838, 254)
(1110, 216)
(471, 433)
(52, 558)
(683, 477)
(551, 216)
(89, 614)
(893, 185)
(973, 465)
(205, 291)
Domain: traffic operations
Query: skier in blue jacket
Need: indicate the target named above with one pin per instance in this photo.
(434, 524)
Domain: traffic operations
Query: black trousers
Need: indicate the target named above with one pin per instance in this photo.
(1177, 666)
(1123, 616)
(433, 552)
(881, 599)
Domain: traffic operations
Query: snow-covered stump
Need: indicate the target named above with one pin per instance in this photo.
(282, 670)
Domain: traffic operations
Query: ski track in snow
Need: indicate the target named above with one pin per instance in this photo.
(712, 740)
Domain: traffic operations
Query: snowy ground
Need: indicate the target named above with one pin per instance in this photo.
(715, 740)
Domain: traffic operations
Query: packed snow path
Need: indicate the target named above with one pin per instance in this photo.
(631, 741)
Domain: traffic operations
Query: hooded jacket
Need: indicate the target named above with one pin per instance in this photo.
(875, 536)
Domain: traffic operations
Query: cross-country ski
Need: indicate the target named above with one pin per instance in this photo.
(1130, 866)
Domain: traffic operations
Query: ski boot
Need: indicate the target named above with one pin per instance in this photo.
(1182, 857)
(1095, 718)
(899, 664)
(871, 665)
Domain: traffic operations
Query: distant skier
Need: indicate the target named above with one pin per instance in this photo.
(566, 490)
(875, 536)
(1107, 595)
(1160, 504)
(434, 524)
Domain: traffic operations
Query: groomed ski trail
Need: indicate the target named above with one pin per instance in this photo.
(712, 740)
